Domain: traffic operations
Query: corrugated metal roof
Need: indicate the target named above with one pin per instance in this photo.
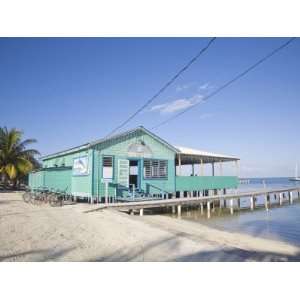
(196, 152)
(177, 149)
(113, 137)
(140, 128)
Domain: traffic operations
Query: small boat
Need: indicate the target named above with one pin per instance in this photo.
(296, 178)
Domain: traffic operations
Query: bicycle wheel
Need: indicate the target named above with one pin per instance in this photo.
(38, 200)
(53, 200)
(27, 197)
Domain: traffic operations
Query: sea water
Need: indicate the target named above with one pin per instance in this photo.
(279, 222)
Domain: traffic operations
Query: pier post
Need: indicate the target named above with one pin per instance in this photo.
(213, 206)
(252, 203)
(239, 203)
(266, 202)
(208, 209)
(141, 212)
(179, 210)
(291, 197)
(173, 209)
(275, 197)
(201, 208)
(231, 206)
(224, 202)
(280, 199)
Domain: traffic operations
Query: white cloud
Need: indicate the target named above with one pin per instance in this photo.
(205, 116)
(185, 86)
(176, 105)
(205, 86)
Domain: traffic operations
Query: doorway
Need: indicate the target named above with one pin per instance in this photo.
(133, 174)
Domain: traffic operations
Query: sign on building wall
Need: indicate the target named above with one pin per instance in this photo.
(81, 166)
(139, 150)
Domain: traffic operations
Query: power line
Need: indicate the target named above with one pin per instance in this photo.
(164, 86)
(228, 83)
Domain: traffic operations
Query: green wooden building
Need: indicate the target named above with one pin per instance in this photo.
(132, 165)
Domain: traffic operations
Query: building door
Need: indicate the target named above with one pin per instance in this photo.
(134, 174)
(123, 173)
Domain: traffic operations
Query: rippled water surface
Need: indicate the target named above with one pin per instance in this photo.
(280, 223)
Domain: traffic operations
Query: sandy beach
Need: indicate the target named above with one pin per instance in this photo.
(69, 233)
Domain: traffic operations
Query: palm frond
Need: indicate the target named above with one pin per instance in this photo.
(15, 159)
(23, 165)
(11, 171)
(22, 145)
(30, 152)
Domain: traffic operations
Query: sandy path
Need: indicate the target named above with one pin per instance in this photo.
(34, 233)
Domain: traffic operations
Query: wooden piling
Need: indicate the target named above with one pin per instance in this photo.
(201, 208)
(291, 197)
(239, 203)
(266, 202)
(141, 212)
(252, 203)
(208, 209)
(179, 210)
(231, 206)
(280, 199)
(173, 209)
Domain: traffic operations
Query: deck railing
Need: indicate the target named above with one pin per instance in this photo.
(195, 183)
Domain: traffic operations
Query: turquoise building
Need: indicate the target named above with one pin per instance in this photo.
(133, 165)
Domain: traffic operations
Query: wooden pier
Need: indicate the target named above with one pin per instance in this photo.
(209, 202)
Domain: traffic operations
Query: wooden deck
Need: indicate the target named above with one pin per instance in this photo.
(280, 194)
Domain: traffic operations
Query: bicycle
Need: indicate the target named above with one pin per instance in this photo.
(28, 196)
(40, 195)
(57, 198)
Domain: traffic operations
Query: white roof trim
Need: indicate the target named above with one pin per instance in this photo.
(196, 152)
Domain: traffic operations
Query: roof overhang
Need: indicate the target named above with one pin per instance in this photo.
(192, 156)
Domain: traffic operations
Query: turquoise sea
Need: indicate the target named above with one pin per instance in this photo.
(279, 223)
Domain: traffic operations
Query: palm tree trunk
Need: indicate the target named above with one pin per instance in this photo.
(4, 179)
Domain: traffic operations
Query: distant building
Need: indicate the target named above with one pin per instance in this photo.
(131, 165)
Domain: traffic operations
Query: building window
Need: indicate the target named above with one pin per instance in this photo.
(155, 168)
(107, 167)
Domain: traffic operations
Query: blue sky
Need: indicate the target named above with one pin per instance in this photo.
(64, 92)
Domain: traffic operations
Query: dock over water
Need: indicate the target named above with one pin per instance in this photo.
(208, 203)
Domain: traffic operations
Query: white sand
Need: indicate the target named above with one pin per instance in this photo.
(43, 233)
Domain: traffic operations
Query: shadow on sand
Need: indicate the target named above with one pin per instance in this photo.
(38, 255)
(171, 245)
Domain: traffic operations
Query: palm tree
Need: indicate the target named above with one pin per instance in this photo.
(15, 160)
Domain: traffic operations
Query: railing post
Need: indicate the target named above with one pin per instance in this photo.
(202, 168)
(179, 165)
